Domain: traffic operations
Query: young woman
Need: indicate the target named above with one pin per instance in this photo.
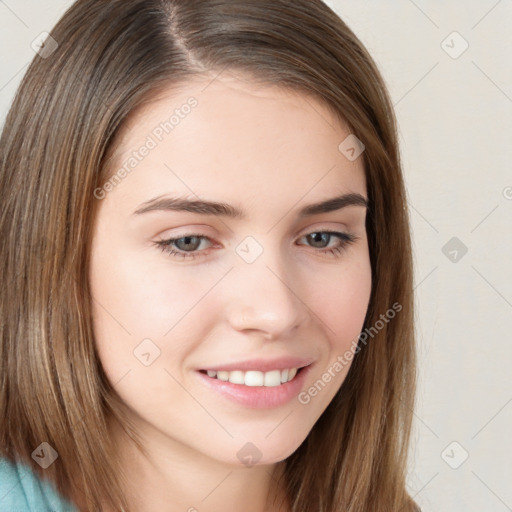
(208, 298)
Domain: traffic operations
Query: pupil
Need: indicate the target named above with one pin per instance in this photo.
(317, 237)
(187, 242)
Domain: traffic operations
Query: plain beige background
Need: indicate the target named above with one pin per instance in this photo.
(448, 68)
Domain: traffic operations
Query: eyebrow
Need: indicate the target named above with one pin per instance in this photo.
(219, 209)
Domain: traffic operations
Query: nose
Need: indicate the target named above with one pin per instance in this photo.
(265, 298)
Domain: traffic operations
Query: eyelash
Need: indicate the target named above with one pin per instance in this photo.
(336, 252)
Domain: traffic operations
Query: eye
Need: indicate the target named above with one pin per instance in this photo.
(187, 246)
(320, 237)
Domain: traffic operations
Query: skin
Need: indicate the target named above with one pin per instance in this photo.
(270, 152)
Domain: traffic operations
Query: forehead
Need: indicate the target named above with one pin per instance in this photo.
(219, 136)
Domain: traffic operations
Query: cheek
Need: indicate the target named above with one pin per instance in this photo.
(144, 298)
(339, 298)
(141, 324)
(130, 294)
(340, 305)
(348, 318)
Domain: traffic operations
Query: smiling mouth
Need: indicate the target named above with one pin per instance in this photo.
(254, 378)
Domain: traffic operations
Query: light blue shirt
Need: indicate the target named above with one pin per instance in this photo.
(21, 490)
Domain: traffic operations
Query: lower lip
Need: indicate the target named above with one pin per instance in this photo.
(258, 397)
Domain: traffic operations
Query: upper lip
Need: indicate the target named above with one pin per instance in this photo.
(262, 365)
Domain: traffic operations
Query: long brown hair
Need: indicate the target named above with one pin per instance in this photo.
(111, 57)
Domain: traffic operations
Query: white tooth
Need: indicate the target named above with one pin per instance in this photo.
(292, 373)
(223, 375)
(253, 378)
(272, 378)
(236, 377)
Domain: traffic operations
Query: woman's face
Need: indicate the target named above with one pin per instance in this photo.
(250, 296)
